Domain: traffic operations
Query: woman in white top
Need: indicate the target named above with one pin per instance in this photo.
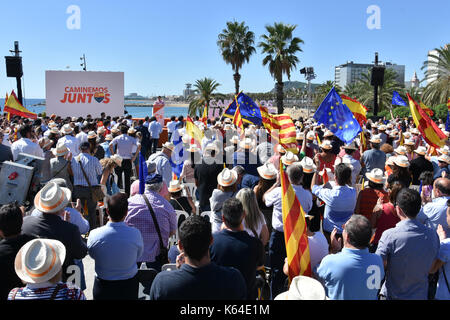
(254, 221)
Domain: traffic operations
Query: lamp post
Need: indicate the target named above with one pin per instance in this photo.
(309, 75)
(83, 58)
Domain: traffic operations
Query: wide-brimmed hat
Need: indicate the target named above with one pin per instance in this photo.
(54, 130)
(310, 136)
(267, 171)
(169, 145)
(375, 139)
(228, 127)
(415, 131)
(101, 130)
(401, 150)
(115, 130)
(300, 136)
(281, 149)
(289, 158)
(92, 135)
(345, 161)
(227, 120)
(175, 186)
(382, 128)
(326, 144)
(303, 288)
(407, 134)
(376, 176)
(328, 133)
(185, 138)
(409, 142)
(444, 158)
(109, 137)
(246, 144)
(52, 198)
(421, 150)
(308, 165)
(60, 150)
(351, 146)
(39, 260)
(46, 142)
(227, 177)
(117, 159)
(444, 150)
(390, 161)
(66, 129)
(401, 161)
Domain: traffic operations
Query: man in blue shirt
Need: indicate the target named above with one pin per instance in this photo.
(373, 158)
(197, 278)
(434, 213)
(354, 273)
(408, 251)
(155, 130)
(116, 249)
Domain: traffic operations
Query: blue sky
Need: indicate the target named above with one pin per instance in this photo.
(161, 45)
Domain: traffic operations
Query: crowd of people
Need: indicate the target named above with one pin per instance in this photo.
(376, 211)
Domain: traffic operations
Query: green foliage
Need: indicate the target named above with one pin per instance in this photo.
(440, 112)
(205, 88)
(438, 70)
(401, 112)
(321, 91)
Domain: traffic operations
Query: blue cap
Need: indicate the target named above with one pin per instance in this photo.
(153, 178)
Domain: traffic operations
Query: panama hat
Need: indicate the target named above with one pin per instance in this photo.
(39, 260)
(267, 171)
(60, 150)
(52, 198)
(227, 177)
(101, 130)
(228, 127)
(175, 186)
(109, 137)
(326, 144)
(289, 158)
(131, 130)
(303, 288)
(444, 150)
(401, 161)
(300, 136)
(227, 120)
(382, 127)
(345, 161)
(66, 129)
(169, 145)
(247, 143)
(351, 146)
(421, 150)
(401, 150)
(376, 176)
(310, 136)
(390, 161)
(328, 133)
(375, 139)
(409, 142)
(46, 142)
(393, 133)
(281, 149)
(115, 130)
(444, 158)
(234, 140)
(308, 165)
(92, 135)
(117, 159)
(54, 130)
(407, 134)
(415, 131)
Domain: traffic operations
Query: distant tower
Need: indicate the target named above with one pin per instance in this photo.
(187, 92)
(415, 81)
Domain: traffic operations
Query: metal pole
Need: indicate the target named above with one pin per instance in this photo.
(309, 95)
(18, 80)
(375, 91)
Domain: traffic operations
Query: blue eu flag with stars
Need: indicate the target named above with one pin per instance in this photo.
(337, 117)
(249, 109)
(397, 100)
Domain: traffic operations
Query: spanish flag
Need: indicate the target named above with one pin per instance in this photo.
(427, 127)
(357, 108)
(294, 225)
(205, 115)
(284, 126)
(362, 140)
(15, 108)
(426, 109)
(193, 131)
(237, 118)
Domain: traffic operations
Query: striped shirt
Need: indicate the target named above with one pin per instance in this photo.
(125, 145)
(44, 291)
(91, 166)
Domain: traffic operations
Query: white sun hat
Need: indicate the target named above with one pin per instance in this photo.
(101, 130)
(109, 137)
(444, 150)
(308, 165)
(409, 142)
(60, 150)
(169, 145)
(39, 260)
(268, 171)
(289, 158)
(234, 140)
(281, 149)
(375, 139)
(117, 159)
(247, 143)
(326, 144)
(303, 288)
(401, 150)
(421, 150)
(227, 177)
(401, 161)
(328, 133)
(52, 198)
(66, 129)
(444, 158)
(376, 176)
(310, 136)
(175, 186)
(91, 135)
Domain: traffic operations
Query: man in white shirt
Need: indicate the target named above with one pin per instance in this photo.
(69, 140)
(171, 126)
(25, 145)
(155, 130)
(82, 136)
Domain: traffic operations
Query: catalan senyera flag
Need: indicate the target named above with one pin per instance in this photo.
(427, 127)
(294, 225)
(15, 108)
(286, 128)
(205, 115)
(193, 131)
(357, 108)
(237, 118)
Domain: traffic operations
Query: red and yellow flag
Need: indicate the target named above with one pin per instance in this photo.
(362, 140)
(448, 104)
(284, 125)
(427, 127)
(294, 225)
(426, 109)
(205, 115)
(193, 131)
(237, 118)
(357, 108)
(14, 107)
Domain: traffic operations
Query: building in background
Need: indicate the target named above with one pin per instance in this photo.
(432, 57)
(188, 91)
(414, 83)
(350, 72)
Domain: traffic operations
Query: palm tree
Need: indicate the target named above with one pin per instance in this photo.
(414, 92)
(280, 48)
(321, 91)
(438, 72)
(352, 90)
(236, 44)
(204, 89)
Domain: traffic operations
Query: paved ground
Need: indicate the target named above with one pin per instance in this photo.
(89, 272)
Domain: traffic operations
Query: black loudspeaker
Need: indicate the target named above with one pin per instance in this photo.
(377, 76)
(14, 67)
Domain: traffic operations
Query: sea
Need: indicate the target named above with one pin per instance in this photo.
(136, 112)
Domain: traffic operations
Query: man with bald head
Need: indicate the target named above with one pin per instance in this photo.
(434, 213)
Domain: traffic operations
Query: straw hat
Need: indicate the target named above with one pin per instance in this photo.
(303, 288)
(101, 130)
(46, 142)
(409, 142)
(54, 130)
(407, 134)
(382, 128)
(52, 198)
(234, 140)
(375, 139)
(376, 176)
(344, 161)
(300, 136)
(91, 135)
(289, 158)
(308, 165)
(117, 159)
(115, 130)
(328, 133)
(401, 150)
(227, 177)
(39, 260)
(267, 171)
(310, 136)
(421, 150)
(109, 137)
(169, 145)
(131, 130)
(227, 120)
(175, 186)
(401, 161)
(326, 144)
(60, 150)
(393, 133)
(444, 158)
(415, 131)
(228, 127)
(66, 129)
(281, 149)
(351, 146)
(390, 161)
(247, 143)
(444, 150)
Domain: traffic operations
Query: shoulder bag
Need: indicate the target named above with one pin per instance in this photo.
(96, 191)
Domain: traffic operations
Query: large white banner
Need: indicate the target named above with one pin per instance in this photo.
(79, 93)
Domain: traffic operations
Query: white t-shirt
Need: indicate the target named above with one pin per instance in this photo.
(318, 248)
(258, 228)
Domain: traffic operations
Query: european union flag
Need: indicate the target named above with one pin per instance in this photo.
(177, 159)
(249, 109)
(337, 117)
(447, 123)
(142, 173)
(397, 100)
